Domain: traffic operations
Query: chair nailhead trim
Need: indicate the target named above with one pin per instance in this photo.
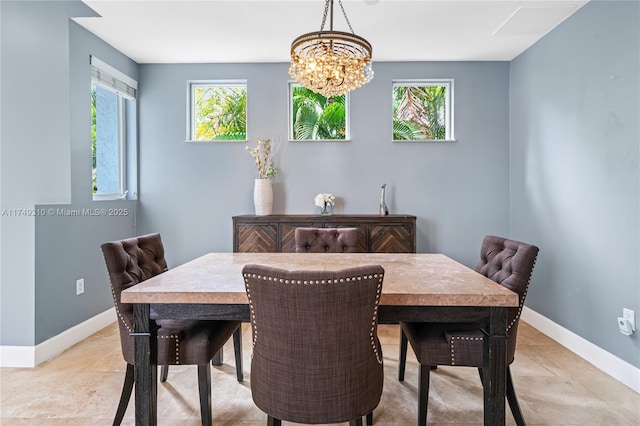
(171, 336)
(375, 317)
(524, 295)
(508, 327)
(129, 327)
(453, 355)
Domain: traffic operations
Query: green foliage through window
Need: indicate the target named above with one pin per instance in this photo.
(94, 139)
(113, 133)
(218, 111)
(112, 124)
(313, 117)
(422, 110)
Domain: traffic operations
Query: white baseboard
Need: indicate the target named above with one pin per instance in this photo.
(31, 356)
(617, 368)
(624, 372)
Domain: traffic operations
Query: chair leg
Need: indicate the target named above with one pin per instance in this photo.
(423, 394)
(370, 418)
(127, 388)
(271, 421)
(403, 355)
(356, 422)
(237, 345)
(204, 386)
(513, 400)
(164, 372)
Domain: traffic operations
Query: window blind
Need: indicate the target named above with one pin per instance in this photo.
(109, 77)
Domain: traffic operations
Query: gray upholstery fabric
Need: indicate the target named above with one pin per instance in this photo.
(327, 240)
(316, 354)
(134, 260)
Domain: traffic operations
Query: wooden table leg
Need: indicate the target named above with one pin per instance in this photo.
(146, 369)
(495, 368)
(218, 358)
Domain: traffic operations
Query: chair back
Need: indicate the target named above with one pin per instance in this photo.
(129, 262)
(509, 263)
(327, 240)
(316, 355)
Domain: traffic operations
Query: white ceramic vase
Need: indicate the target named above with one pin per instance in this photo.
(263, 197)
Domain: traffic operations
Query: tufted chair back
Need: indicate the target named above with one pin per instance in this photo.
(316, 355)
(509, 263)
(179, 341)
(327, 240)
(130, 262)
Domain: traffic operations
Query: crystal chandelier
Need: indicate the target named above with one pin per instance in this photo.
(331, 63)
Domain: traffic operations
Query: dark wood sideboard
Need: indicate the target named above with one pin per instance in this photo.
(275, 233)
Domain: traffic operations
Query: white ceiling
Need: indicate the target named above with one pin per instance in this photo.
(185, 31)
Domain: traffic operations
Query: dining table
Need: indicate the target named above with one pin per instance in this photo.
(417, 287)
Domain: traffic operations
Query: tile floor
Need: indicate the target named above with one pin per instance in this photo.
(82, 387)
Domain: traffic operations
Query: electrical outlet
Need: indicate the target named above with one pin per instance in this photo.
(630, 315)
(79, 286)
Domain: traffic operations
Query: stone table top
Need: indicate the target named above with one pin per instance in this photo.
(411, 279)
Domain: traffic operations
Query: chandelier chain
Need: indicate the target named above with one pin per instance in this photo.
(345, 16)
(324, 16)
(326, 10)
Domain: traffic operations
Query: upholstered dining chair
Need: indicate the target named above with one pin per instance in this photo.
(316, 354)
(180, 342)
(510, 264)
(327, 240)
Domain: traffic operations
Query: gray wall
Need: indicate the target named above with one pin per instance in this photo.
(459, 191)
(26, 159)
(46, 163)
(547, 152)
(575, 184)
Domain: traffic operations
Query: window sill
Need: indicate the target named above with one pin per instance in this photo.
(426, 140)
(216, 141)
(319, 140)
(110, 197)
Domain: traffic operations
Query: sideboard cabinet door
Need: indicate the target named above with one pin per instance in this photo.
(256, 238)
(393, 238)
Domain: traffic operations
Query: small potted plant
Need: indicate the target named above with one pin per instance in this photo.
(325, 202)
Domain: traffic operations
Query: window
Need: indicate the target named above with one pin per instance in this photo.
(217, 111)
(113, 132)
(423, 110)
(313, 118)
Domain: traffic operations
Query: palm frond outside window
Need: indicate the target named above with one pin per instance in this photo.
(314, 118)
(217, 111)
(423, 110)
